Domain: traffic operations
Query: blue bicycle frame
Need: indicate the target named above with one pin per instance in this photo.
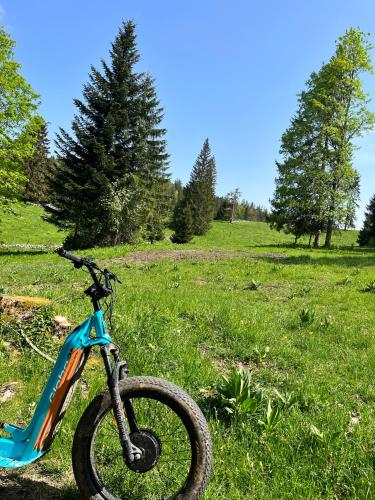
(27, 445)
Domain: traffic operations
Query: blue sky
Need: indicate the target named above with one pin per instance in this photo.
(227, 70)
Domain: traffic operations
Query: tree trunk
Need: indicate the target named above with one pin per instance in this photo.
(317, 239)
(310, 240)
(232, 215)
(327, 243)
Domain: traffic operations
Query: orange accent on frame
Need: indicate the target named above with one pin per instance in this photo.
(58, 398)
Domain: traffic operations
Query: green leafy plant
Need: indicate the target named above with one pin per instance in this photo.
(272, 417)
(259, 354)
(316, 435)
(174, 284)
(287, 399)
(345, 281)
(326, 322)
(370, 287)
(253, 285)
(300, 293)
(237, 394)
(306, 316)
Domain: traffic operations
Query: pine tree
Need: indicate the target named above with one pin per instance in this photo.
(200, 191)
(112, 170)
(352, 204)
(224, 210)
(366, 235)
(247, 213)
(36, 168)
(183, 223)
(297, 207)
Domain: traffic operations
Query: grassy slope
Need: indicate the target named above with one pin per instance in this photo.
(25, 226)
(190, 320)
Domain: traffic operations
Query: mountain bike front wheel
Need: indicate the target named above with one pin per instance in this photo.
(172, 432)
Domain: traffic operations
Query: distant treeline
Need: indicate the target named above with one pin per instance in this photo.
(244, 210)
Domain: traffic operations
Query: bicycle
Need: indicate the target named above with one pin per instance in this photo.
(141, 438)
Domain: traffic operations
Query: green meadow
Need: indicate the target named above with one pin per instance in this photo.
(306, 333)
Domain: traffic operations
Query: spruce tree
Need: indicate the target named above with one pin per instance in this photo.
(352, 204)
(183, 223)
(112, 170)
(224, 210)
(247, 213)
(36, 168)
(200, 191)
(366, 235)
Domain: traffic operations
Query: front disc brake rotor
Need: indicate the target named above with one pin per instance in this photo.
(151, 449)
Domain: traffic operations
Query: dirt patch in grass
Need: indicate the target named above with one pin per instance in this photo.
(150, 255)
(34, 485)
(8, 391)
(201, 282)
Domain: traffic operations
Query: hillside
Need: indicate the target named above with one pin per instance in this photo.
(188, 313)
(26, 226)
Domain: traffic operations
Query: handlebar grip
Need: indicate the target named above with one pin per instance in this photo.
(67, 255)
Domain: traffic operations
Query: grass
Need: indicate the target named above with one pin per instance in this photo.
(192, 320)
(25, 225)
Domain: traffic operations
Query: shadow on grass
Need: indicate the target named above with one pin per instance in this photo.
(338, 261)
(351, 257)
(26, 251)
(301, 246)
(15, 486)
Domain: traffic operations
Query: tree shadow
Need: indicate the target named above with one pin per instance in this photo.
(353, 261)
(303, 246)
(15, 486)
(26, 251)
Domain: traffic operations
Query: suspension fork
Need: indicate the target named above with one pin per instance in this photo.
(116, 371)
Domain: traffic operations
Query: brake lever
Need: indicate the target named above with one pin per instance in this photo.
(110, 276)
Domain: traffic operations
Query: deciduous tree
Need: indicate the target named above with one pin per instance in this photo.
(316, 183)
(18, 122)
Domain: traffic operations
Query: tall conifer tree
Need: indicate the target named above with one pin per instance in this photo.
(200, 191)
(367, 233)
(36, 168)
(112, 170)
(183, 223)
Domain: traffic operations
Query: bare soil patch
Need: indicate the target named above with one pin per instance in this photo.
(154, 255)
(34, 485)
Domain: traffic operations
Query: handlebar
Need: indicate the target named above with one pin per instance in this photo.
(98, 290)
(78, 261)
(70, 256)
(90, 264)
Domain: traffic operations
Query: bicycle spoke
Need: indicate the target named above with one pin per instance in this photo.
(172, 467)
